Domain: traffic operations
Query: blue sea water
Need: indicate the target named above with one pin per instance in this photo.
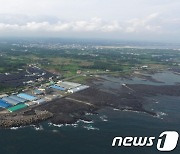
(96, 137)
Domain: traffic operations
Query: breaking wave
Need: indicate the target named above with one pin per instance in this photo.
(103, 118)
(63, 125)
(85, 121)
(115, 109)
(126, 110)
(90, 128)
(14, 128)
(160, 114)
(89, 114)
(37, 128)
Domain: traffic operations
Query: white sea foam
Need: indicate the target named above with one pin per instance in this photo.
(132, 111)
(115, 109)
(73, 125)
(38, 128)
(56, 125)
(162, 114)
(90, 128)
(103, 118)
(89, 114)
(85, 121)
(63, 125)
(14, 128)
(55, 131)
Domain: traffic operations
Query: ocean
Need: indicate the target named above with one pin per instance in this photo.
(96, 137)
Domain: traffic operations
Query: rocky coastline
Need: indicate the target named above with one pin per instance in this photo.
(68, 110)
(17, 120)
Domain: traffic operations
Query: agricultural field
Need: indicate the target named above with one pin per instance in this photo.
(77, 60)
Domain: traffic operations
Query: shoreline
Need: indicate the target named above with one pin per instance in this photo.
(76, 106)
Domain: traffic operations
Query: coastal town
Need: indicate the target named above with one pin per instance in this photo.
(29, 99)
(38, 96)
(61, 83)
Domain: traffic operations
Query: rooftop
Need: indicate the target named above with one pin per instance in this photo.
(17, 107)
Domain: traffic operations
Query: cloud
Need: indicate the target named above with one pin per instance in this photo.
(152, 26)
(93, 25)
(112, 18)
(148, 23)
(8, 27)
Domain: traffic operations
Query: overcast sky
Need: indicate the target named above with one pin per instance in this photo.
(151, 20)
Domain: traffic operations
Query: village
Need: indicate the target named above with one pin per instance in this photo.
(39, 95)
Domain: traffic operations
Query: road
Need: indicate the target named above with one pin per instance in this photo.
(75, 100)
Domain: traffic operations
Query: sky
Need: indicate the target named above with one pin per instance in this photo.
(149, 20)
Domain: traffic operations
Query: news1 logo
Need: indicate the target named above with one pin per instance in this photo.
(167, 141)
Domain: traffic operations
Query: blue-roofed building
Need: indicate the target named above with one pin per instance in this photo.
(14, 97)
(37, 92)
(27, 96)
(10, 101)
(57, 87)
(4, 104)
